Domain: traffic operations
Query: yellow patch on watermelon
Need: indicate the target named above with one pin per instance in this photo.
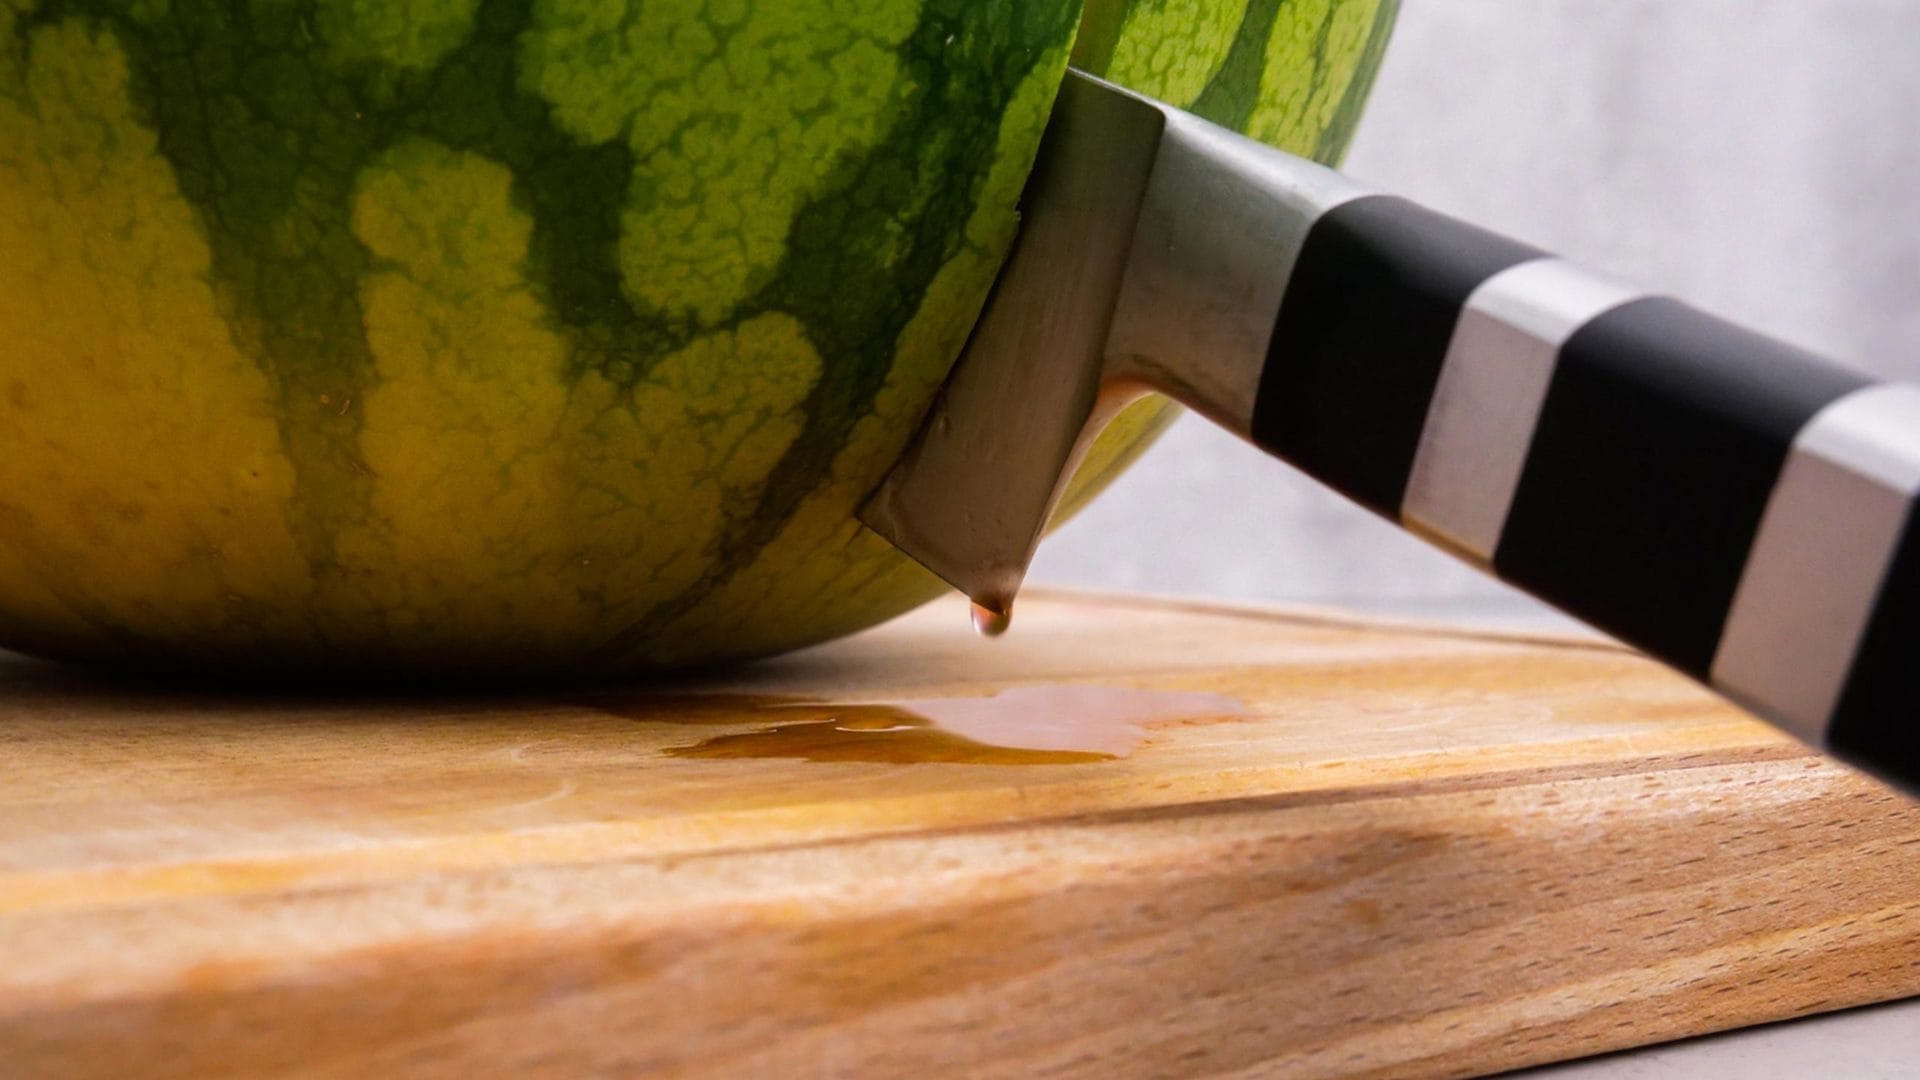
(171, 514)
(601, 498)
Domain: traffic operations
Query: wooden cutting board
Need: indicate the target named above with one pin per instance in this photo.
(1416, 851)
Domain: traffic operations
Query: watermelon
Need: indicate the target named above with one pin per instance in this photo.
(527, 334)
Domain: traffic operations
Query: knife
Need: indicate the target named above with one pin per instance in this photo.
(1733, 506)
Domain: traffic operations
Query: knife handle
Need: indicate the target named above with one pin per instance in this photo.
(1732, 505)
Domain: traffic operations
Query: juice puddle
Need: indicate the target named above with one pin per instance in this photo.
(1044, 725)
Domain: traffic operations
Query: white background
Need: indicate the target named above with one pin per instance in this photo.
(1758, 157)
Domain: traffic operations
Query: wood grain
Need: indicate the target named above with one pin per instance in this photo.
(1421, 852)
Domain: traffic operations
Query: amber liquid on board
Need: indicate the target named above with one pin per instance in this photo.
(874, 733)
(1046, 725)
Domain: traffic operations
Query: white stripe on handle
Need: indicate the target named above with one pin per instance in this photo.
(1814, 576)
(1487, 403)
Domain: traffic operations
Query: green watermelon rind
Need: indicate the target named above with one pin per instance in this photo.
(448, 333)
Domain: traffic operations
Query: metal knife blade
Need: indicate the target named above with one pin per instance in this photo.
(1138, 266)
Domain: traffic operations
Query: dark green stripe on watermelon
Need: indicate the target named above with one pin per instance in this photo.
(1338, 134)
(1100, 33)
(1234, 90)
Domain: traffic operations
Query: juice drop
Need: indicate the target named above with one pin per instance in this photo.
(990, 620)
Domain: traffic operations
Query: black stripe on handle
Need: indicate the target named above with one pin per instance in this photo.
(1361, 334)
(1662, 434)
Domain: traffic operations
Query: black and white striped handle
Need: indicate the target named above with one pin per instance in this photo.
(1737, 508)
